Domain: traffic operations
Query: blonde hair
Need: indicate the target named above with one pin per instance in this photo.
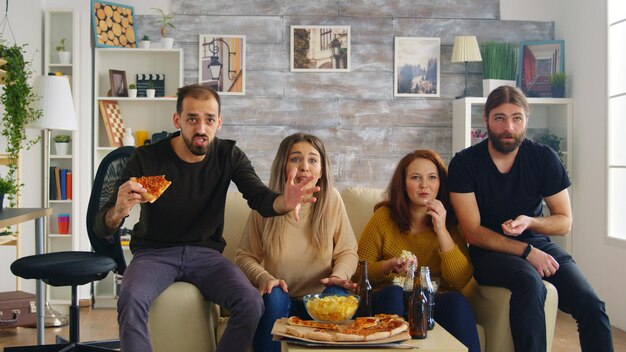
(318, 225)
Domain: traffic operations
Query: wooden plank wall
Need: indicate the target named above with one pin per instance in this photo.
(366, 130)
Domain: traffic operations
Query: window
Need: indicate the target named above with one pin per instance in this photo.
(325, 38)
(617, 117)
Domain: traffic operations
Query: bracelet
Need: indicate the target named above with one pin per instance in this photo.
(527, 251)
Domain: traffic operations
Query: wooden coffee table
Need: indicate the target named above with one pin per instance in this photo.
(438, 340)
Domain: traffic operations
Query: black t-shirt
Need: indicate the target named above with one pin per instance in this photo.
(191, 210)
(536, 173)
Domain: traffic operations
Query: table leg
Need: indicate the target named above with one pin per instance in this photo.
(39, 284)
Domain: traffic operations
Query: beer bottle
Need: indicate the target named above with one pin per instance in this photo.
(364, 290)
(409, 282)
(427, 288)
(418, 318)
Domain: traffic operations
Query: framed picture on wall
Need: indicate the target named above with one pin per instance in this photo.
(119, 88)
(320, 49)
(222, 63)
(113, 25)
(539, 60)
(416, 67)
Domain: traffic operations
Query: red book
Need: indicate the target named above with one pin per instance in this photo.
(68, 184)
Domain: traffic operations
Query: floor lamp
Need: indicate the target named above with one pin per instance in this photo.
(465, 50)
(57, 113)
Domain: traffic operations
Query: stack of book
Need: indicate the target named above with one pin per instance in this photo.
(60, 183)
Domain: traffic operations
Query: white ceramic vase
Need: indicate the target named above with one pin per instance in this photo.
(62, 148)
(167, 43)
(150, 93)
(144, 44)
(65, 57)
(132, 93)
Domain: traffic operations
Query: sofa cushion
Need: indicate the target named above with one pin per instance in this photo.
(359, 203)
(235, 218)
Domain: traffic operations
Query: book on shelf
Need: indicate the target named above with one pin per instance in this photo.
(57, 178)
(69, 184)
(53, 183)
(63, 182)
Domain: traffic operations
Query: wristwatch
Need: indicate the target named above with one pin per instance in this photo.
(527, 251)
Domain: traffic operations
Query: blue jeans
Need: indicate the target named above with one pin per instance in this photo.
(152, 270)
(452, 311)
(528, 295)
(279, 305)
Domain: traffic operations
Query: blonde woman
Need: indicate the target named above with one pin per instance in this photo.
(288, 257)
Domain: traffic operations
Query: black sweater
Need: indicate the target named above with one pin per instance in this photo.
(191, 210)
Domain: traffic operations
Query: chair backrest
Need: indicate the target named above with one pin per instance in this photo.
(105, 185)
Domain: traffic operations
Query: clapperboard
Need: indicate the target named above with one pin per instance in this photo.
(158, 80)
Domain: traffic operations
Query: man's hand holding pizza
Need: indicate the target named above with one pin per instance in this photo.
(128, 195)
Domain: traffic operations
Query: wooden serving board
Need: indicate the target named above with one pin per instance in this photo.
(279, 331)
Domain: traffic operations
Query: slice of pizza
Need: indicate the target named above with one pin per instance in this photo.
(294, 320)
(155, 185)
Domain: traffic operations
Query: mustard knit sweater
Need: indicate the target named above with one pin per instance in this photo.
(381, 240)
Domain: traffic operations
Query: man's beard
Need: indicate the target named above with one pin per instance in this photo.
(198, 150)
(501, 146)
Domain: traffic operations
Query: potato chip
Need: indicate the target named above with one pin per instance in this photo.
(332, 309)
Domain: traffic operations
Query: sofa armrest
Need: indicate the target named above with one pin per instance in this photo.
(491, 308)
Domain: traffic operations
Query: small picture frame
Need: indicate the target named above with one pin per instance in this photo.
(537, 61)
(113, 25)
(320, 49)
(222, 63)
(416, 67)
(119, 88)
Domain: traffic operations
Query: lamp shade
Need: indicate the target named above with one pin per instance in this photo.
(466, 49)
(55, 103)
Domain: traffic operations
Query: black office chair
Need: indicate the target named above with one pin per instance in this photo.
(74, 268)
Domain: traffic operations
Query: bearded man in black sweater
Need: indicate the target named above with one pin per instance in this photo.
(179, 236)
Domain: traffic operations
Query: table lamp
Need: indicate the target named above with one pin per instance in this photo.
(57, 113)
(465, 50)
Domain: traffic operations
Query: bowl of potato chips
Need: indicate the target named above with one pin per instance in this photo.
(331, 308)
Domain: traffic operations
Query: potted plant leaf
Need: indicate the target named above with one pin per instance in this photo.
(557, 84)
(144, 43)
(62, 144)
(165, 21)
(64, 55)
(499, 65)
(132, 90)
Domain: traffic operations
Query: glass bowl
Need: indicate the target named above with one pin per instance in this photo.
(331, 308)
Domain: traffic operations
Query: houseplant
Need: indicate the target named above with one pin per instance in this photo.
(18, 100)
(7, 187)
(132, 90)
(150, 90)
(144, 43)
(499, 65)
(62, 143)
(165, 21)
(557, 84)
(64, 56)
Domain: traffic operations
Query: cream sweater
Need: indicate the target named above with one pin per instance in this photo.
(298, 263)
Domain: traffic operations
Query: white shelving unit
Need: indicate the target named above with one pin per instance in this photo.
(140, 114)
(547, 116)
(59, 24)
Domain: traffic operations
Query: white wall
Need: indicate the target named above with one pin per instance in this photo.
(583, 27)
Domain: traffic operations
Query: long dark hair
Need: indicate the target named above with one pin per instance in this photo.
(398, 199)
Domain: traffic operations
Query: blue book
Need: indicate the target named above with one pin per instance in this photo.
(63, 179)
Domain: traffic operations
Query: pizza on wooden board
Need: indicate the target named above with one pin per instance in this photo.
(363, 329)
(155, 185)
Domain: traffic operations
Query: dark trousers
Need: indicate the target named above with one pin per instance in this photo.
(452, 311)
(152, 270)
(528, 295)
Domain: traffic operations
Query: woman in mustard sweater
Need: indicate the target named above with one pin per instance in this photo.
(417, 217)
(286, 257)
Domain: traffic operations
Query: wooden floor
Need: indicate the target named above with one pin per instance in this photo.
(101, 324)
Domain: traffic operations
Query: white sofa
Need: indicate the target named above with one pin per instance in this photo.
(181, 320)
